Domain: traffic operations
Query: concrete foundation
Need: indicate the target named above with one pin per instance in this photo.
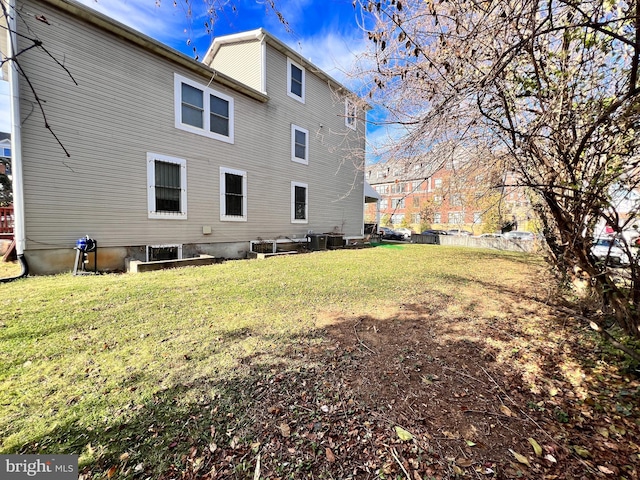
(136, 266)
(115, 259)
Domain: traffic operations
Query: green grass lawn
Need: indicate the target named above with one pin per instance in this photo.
(9, 269)
(117, 366)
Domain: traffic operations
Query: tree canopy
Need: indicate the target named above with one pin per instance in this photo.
(551, 87)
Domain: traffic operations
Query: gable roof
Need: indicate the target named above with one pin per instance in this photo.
(262, 35)
(108, 24)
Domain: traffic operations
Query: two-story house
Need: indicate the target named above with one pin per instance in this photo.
(171, 157)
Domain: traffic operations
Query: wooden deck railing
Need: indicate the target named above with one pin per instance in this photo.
(6, 220)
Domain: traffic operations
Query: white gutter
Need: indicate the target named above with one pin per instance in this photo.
(16, 135)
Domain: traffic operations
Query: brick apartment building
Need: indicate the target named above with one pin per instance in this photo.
(452, 195)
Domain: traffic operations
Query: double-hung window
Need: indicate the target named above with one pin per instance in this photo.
(295, 80)
(167, 187)
(455, 200)
(397, 203)
(350, 113)
(299, 202)
(299, 145)
(233, 195)
(203, 110)
(456, 218)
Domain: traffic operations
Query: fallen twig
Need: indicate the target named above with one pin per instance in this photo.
(516, 405)
(256, 473)
(484, 412)
(393, 452)
(359, 340)
(461, 373)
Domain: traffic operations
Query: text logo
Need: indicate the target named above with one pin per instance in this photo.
(49, 467)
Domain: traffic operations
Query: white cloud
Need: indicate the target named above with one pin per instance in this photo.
(165, 22)
(336, 49)
(335, 53)
(5, 116)
(295, 13)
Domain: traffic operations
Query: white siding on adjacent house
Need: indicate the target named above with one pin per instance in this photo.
(242, 61)
(4, 71)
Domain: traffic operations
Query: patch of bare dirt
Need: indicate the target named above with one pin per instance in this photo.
(506, 388)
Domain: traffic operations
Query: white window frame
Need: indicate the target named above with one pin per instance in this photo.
(455, 218)
(304, 76)
(304, 160)
(293, 202)
(350, 114)
(151, 187)
(397, 203)
(455, 200)
(223, 197)
(207, 92)
(164, 246)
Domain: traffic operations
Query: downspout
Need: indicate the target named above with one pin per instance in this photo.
(16, 147)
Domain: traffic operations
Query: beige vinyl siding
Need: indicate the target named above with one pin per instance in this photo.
(242, 61)
(123, 108)
(334, 182)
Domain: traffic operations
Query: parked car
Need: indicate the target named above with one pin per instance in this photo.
(491, 235)
(390, 234)
(457, 231)
(519, 235)
(610, 251)
(435, 232)
(406, 232)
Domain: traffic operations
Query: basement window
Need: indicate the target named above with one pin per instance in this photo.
(157, 253)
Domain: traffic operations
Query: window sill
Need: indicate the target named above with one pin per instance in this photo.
(167, 216)
(232, 219)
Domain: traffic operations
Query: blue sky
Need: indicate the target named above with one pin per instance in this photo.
(325, 32)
